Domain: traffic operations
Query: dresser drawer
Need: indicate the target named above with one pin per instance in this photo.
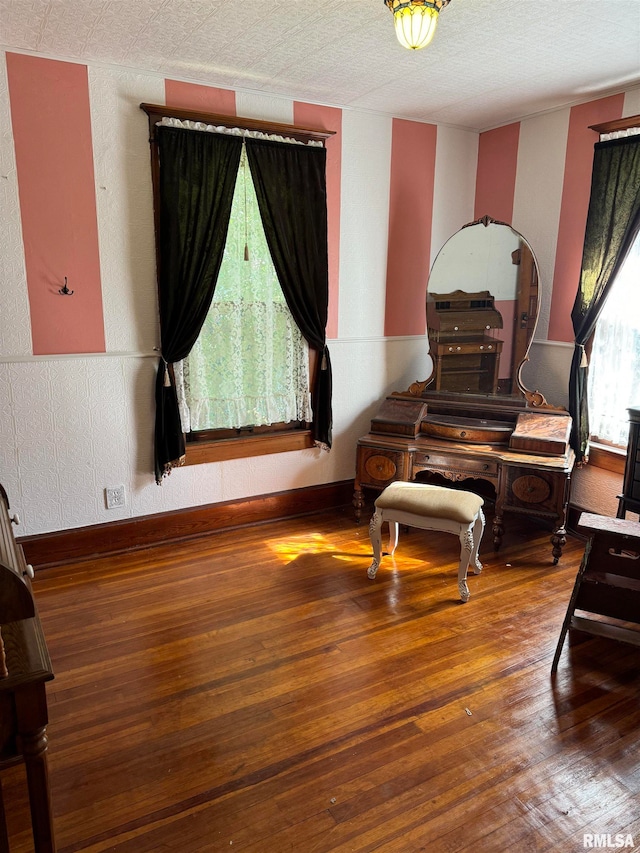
(459, 464)
(465, 349)
(379, 467)
(535, 491)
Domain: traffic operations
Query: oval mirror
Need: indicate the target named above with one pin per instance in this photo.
(482, 308)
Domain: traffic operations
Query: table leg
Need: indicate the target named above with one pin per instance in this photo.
(4, 837)
(34, 750)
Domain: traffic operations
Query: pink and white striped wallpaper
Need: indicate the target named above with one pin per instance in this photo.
(50, 110)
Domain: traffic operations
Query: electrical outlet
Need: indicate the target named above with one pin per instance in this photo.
(114, 496)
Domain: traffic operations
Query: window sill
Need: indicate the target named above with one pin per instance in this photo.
(198, 452)
(609, 458)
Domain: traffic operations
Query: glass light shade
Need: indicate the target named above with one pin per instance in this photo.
(415, 20)
(415, 25)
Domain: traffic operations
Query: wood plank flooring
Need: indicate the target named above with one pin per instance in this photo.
(254, 691)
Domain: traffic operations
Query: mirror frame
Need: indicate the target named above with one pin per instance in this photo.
(534, 399)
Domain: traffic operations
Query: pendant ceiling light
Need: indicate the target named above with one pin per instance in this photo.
(415, 21)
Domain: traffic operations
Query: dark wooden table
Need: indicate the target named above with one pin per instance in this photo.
(23, 723)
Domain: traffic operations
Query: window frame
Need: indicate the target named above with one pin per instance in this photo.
(209, 448)
(602, 454)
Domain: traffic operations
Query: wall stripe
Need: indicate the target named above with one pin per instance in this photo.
(364, 224)
(124, 204)
(413, 160)
(328, 118)
(538, 197)
(51, 120)
(496, 177)
(194, 96)
(264, 107)
(573, 212)
(454, 184)
(15, 321)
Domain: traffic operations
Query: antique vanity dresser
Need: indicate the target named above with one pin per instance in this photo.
(473, 423)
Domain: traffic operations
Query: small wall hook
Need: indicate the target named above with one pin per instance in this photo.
(65, 290)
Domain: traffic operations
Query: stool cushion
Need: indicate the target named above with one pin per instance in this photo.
(423, 499)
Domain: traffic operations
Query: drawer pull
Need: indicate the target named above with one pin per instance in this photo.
(462, 433)
(29, 571)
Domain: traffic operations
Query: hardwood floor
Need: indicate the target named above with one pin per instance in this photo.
(254, 691)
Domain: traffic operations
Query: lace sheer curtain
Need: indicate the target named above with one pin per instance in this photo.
(250, 364)
(614, 368)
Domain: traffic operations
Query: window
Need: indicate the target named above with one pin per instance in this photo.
(195, 160)
(613, 223)
(614, 364)
(250, 364)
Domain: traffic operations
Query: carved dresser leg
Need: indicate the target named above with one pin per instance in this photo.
(558, 540)
(358, 503)
(498, 532)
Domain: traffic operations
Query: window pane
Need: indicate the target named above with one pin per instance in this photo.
(614, 369)
(250, 365)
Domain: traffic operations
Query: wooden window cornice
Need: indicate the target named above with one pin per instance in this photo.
(617, 124)
(304, 134)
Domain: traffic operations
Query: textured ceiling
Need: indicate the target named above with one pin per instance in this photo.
(491, 62)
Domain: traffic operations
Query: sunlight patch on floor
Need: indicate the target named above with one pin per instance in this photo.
(314, 543)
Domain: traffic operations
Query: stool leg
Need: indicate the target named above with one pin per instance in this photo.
(393, 536)
(374, 535)
(478, 530)
(469, 544)
(466, 549)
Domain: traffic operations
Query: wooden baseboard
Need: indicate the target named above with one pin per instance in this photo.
(116, 537)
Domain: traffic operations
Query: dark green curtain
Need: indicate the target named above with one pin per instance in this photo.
(290, 183)
(613, 222)
(197, 178)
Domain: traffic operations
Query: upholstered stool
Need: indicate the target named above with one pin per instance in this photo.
(430, 508)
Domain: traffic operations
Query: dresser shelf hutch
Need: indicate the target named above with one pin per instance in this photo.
(465, 350)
